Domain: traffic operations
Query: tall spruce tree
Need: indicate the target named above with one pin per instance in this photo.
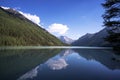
(112, 22)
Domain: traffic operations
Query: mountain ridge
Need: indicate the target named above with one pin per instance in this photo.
(17, 30)
(96, 39)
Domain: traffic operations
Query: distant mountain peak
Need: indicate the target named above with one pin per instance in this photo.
(66, 40)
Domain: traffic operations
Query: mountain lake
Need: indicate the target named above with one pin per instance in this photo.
(59, 63)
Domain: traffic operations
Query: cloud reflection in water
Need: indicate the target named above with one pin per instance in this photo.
(57, 64)
(31, 74)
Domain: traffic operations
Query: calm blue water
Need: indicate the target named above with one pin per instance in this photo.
(59, 64)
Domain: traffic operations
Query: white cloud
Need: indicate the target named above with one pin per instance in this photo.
(33, 18)
(31, 74)
(5, 7)
(58, 28)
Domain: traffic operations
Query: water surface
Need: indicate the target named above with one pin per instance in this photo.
(59, 64)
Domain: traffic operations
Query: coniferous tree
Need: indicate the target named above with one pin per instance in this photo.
(112, 22)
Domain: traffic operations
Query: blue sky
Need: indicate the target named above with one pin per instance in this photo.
(72, 18)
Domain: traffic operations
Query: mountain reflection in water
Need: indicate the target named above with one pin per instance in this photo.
(77, 64)
(62, 64)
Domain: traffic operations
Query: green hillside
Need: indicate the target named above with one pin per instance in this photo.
(16, 30)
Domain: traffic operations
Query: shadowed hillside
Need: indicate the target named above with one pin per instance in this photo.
(97, 39)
